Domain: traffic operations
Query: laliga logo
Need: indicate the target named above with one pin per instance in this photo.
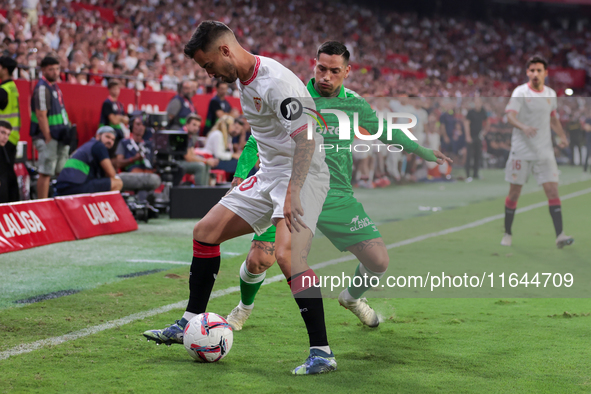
(292, 109)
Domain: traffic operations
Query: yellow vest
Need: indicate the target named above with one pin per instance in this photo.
(12, 113)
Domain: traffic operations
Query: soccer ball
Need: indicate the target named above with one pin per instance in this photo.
(208, 337)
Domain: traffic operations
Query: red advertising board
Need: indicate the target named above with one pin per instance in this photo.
(28, 224)
(571, 77)
(84, 104)
(90, 215)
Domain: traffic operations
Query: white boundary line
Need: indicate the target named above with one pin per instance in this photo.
(29, 347)
(159, 261)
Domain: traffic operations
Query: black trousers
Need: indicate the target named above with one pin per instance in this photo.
(588, 144)
(575, 144)
(474, 157)
(8, 182)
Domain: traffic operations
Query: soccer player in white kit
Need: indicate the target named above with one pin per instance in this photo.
(532, 110)
(288, 191)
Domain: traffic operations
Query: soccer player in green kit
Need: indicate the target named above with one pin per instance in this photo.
(343, 219)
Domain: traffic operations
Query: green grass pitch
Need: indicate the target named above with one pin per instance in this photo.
(459, 340)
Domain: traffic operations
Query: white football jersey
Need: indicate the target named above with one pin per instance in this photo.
(274, 101)
(533, 109)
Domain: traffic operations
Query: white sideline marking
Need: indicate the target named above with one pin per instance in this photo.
(159, 261)
(29, 347)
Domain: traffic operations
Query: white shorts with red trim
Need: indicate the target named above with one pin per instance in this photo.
(517, 171)
(260, 198)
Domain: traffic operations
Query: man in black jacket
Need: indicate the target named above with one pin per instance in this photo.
(8, 181)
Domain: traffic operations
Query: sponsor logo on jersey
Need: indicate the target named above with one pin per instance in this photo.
(358, 224)
(291, 108)
(258, 103)
(20, 223)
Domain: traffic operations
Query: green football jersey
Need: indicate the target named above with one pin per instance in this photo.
(338, 158)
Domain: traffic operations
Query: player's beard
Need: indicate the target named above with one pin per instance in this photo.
(229, 74)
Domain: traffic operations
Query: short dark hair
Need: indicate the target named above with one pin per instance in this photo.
(333, 48)
(49, 61)
(6, 125)
(113, 83)
(204, 36)
(536, 59)
(8, 63)
(220, 82)
(193, 117)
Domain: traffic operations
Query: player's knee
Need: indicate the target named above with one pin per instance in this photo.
(283, 256)
(201, 232)
(258, 266)
(380, 261)
(514, 193)
(551, 192)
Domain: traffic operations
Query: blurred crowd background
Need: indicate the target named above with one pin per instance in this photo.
(423, 51)
(438, 60)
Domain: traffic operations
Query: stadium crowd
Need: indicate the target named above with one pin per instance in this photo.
(139, 44)
(144, 39)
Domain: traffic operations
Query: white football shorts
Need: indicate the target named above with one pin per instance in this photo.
(260, 198)
(517, 171)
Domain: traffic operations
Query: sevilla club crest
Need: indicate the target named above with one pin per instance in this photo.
(258, 103)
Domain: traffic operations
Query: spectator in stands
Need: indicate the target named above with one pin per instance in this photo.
(96, 68)
(574, 129)
(498, 143)
(219, 143)
(180, 106)
(113, 114)
(476, 122)
(30, 8)
(239, 141)
(170, 81)
(8, 181)
(447, 124)
(131, 59)
(90, 170)
(587, 128)
(134, 158)
(196, 164)
(218, 106)
(9, 104)
(50, 126)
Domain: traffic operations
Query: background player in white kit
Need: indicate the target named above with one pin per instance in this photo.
(288, 191)
(532, 110)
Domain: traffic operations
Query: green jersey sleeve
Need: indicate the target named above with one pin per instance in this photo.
(248, 158)
(369, 120)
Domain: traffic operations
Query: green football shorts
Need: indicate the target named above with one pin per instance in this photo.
(343, 220)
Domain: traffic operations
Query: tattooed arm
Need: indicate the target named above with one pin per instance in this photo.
(302, 158)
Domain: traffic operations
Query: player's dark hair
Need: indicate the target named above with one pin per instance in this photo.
(8, 63)
(5, 124)
(49, 61)
(334, 48)
(113, 83)
(220, 82)
(204, 36)
(536, 59)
